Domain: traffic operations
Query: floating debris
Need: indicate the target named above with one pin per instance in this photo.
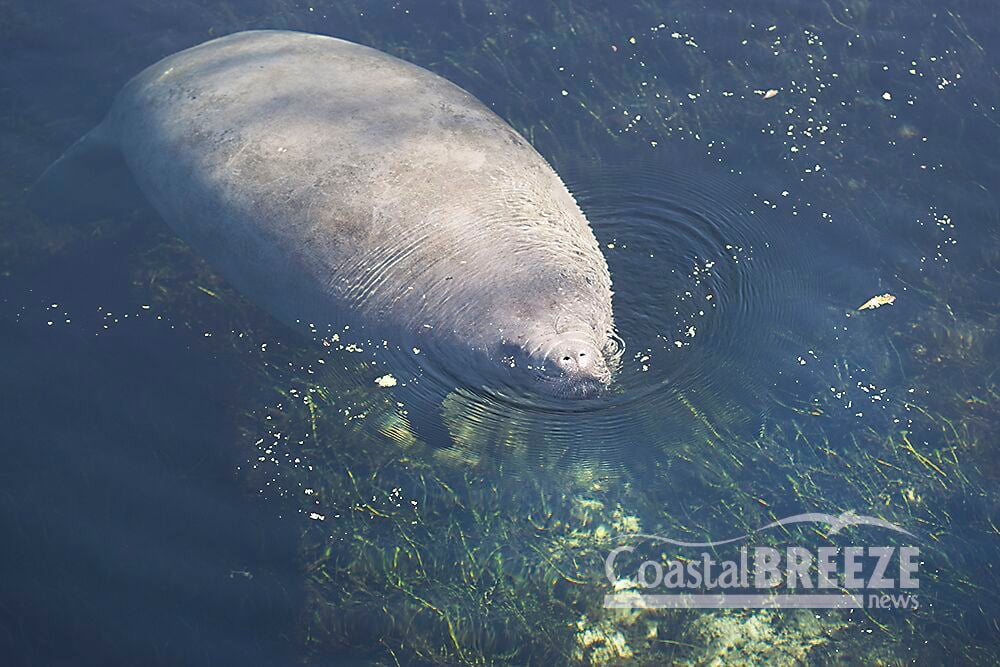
(877, 302)
(386, 381)
(770, 93)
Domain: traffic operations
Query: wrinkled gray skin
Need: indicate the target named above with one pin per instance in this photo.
(332, 183)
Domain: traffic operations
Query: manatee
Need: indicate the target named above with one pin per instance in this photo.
(334, 184)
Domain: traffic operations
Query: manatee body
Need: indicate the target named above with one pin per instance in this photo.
(332, 183)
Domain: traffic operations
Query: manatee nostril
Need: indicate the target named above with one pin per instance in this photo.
(566, 358)
(583, 354)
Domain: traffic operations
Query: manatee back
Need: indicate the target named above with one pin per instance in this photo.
(314, 172)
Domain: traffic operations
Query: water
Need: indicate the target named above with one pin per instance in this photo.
(186, 481)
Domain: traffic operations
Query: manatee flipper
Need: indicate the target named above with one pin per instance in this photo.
(89, 182)
(424, 417)
(429, 427)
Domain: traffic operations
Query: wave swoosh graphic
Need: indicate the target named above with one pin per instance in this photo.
(836, 523)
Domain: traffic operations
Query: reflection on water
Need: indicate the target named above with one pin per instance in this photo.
(753, 175)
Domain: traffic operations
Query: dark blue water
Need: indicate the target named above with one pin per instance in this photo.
(186, 482)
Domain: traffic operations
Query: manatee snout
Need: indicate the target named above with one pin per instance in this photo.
(574, 367)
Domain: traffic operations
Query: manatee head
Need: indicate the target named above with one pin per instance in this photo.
(569, 364)
(557, 328)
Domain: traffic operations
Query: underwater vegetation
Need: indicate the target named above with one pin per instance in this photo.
(416, 553)
(492, 550)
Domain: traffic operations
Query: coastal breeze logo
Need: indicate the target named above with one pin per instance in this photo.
(696, 575)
